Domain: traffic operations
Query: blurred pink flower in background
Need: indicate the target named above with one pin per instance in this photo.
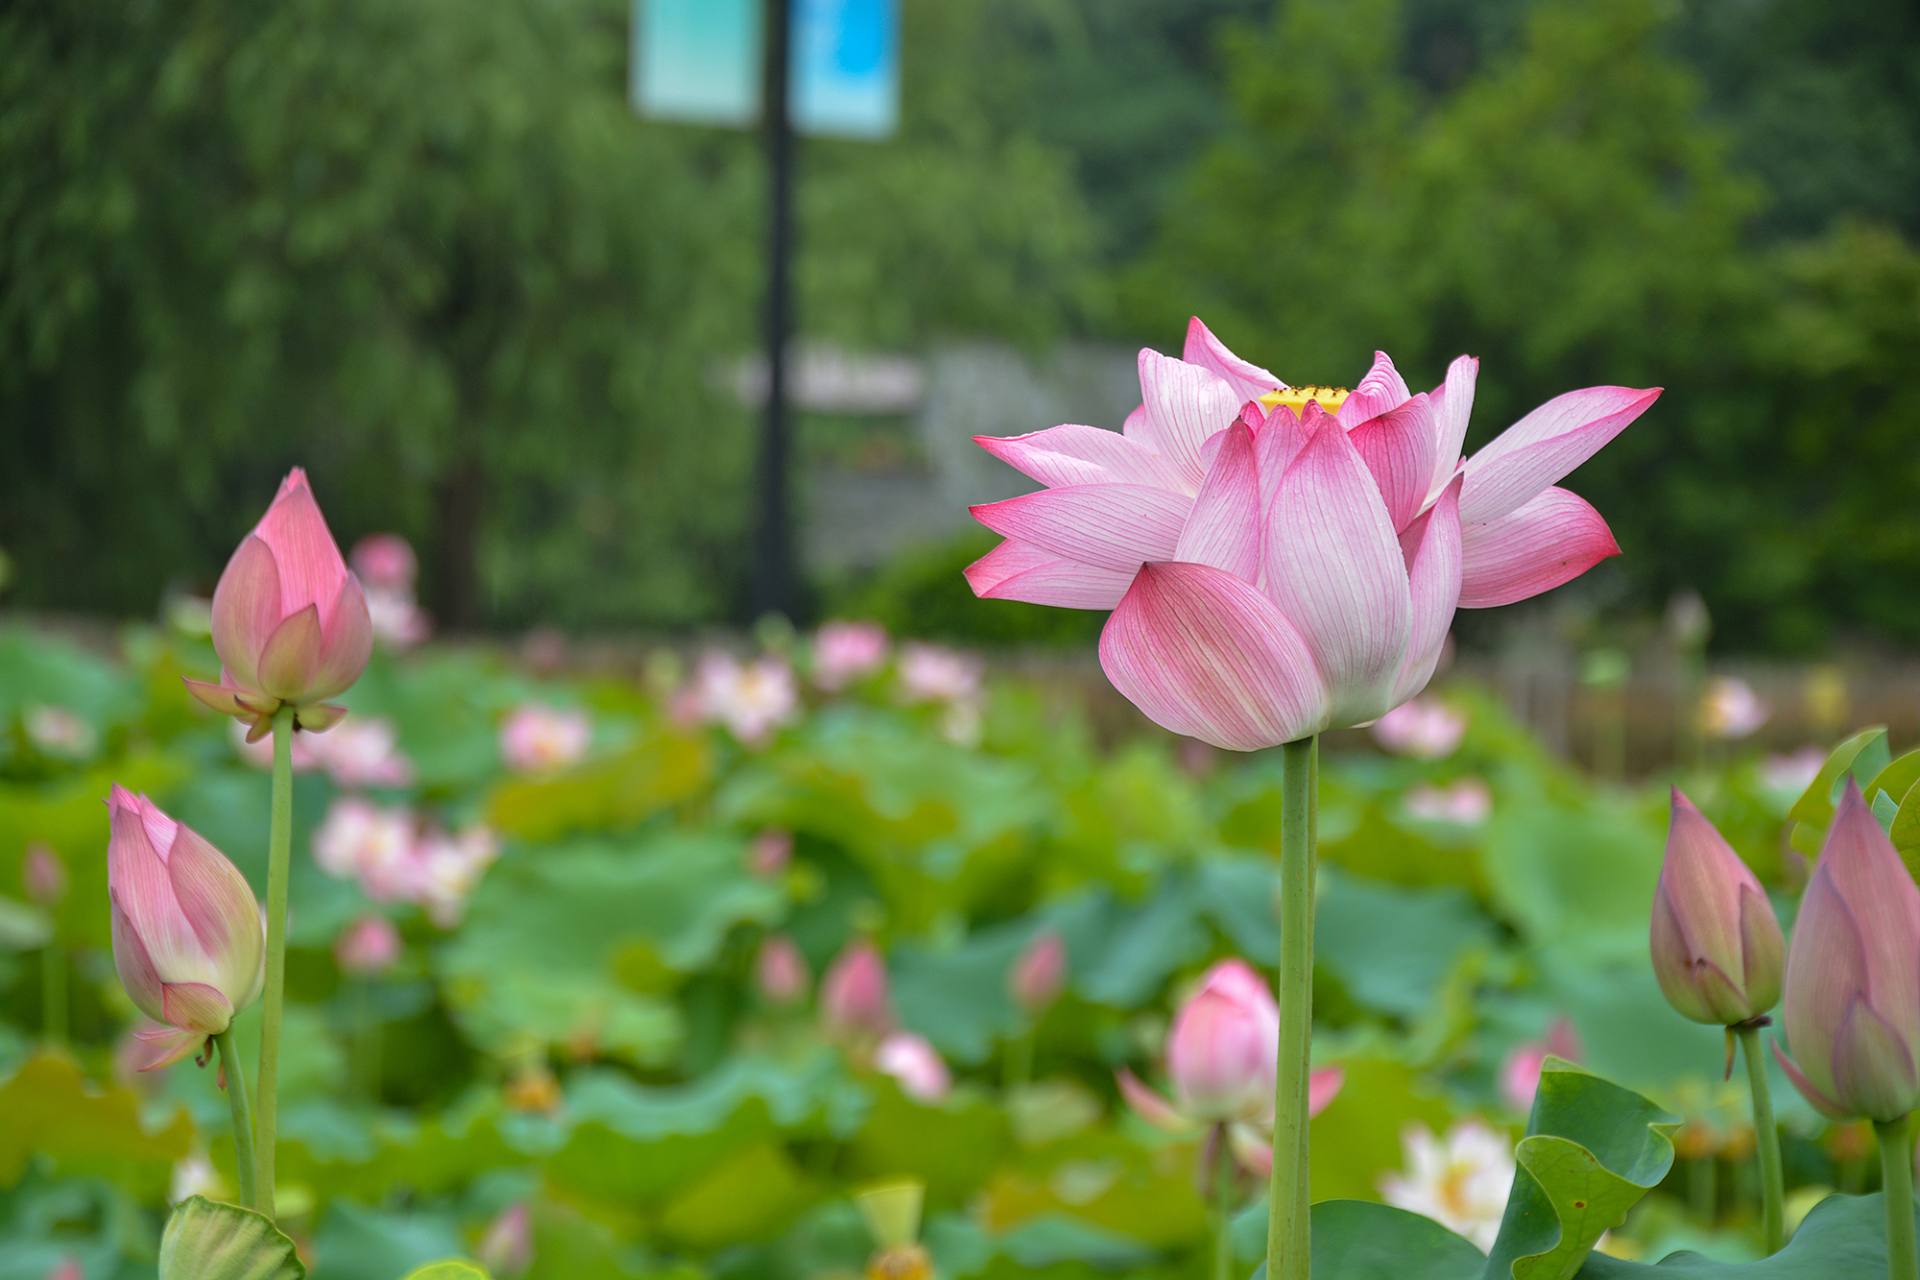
(449, 866)
(385, 560)
(856, 1001)
(769, 853)
(1731, 709)
(361, 752)
(506, 1250)
(368, 946)
(1039, 973)
(43, 876)
(845, 651)
(780, 971)
(394, 859)
(56, 731)
(1466, 803)
(913, 1062)
(67, 1270)
(1792, 772)
(1460, 1181)
(934, 673)
(536, 738)
(1277, 571)
(1424, 728)
(751, 699)
(1520, 1073)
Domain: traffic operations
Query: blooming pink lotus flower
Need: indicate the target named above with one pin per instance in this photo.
(44, 876)
(1716, 943)
(845, 651)
(537, 738)
(289, 620)
(1852, 1010)
(1039, 973)
(751, 699)
(780, 972)
(1221, 1057)
(1281, 561)
(506, 1250)
(368, 946)
(1520, 1073)
(913, 1062)
(1422, 728)
(187, 937)
(856, 1001)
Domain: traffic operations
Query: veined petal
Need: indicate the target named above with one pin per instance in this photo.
(1452, 407)
(310, 564)
(1249, 380)
(346, 642)
(1825, 1105)
(1382, 389)
(246, 608)
(1549, 541)
(318, 717)
(139, 885)
(292, 657)
(1336, 571)
(1224, 529)
(1108, 526)
(1432, 548)
(196, 1006)
(219, 697)
(220, 907)
(134, 965)
(1185, 404)
(1826, 971)
(1072, 454)
(1873, 1070)
(1205, 654)
(1884, 903)
(1544, 446)
(1398, 448)
(156, 1047)
(1278, 441)
(1017, 570)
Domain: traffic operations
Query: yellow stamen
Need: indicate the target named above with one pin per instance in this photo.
(1298, 398)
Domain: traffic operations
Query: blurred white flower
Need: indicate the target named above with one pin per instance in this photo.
(1789, 773)
(56, 731)
(397, 618)
(1423, 728)
(751, 699)
(1731, 709)
(845, 651)
(1460, 1181)
(360, 840)
(537, 738)
(193, 1175)
(1466, 803)
(913, 1062)
(448, 866)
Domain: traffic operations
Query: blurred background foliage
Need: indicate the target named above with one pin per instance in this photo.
(428, 250)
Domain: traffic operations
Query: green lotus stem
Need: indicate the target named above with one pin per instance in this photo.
(279, 854)
(242, 1115)
(53, 992)
(1766, 1140)
(1223, 1177)
(1896, 1186)
(1287, 1200)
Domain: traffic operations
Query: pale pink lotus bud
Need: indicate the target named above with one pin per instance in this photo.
(1222, 1049)
(913, 1062)
(781, 971)
(290, 621)
(368, 946)
(1716, 943)
(1520, 1073)
(44, 876)
(386, 561)
(1039, 972)
(539, 739)
(770, 853)
(1853, 977)
(187, 937)
(845, 651)
(506, 1250)
(855, 1000)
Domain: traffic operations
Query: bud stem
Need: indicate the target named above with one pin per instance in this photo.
(1287, 1198)
(1766, 1139)
(242, 1115)
(53, 992)
(279, 853)
(1896, 1185)
(1224, 1170)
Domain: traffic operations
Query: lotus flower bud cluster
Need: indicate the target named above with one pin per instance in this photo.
(1716, 943)
(187, 937)
(1852, 1009)
(290, 620)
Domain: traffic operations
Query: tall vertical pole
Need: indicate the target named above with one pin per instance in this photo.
(772, 583)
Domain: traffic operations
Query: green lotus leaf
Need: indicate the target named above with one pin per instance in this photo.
(1843, 1236)
(207, 1240)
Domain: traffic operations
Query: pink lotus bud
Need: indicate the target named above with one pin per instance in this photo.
(909, 1059)
(368, 946)
(845, 651)
(44, 876)
(506, 1250)
(1039, 973)
(290, 622)
(770, 853)
(1715, 941)
(386, 561)
(854, 999)
(781, 971)
(1853, 977)
(187, 937)
(1520, 1073)
(1221, 1052)
(68, 1270)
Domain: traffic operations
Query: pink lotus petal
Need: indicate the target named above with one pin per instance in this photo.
(1323, 1087)
(195, 1006)
(1150, 1106)
(1017, 570)
(1433, 575)
(1248, 380)
(1452, 407)
(1335, 569)
(1074, 455)
(246, 608)
(310, 564)
(1550, 541)
(133, 964)
(1107, 526)
(1224, 529)
(1398, 448)
(292, 655)
(347, 643)
(1202, 653)
(1546, 445)
(1185, 404)
(1380, 390)
(156, 1047)
(219, 697)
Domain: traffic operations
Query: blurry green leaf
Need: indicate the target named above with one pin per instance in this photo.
(1360, 1134)
(749, 1197)
(452, 1270)
(23, 927)
(1144, 1194)
(1391, 948)
(1895, 779)
(1358, 1240)
(54, 1113)
(660, 770)
(357, 1242)
(1844, 1236)
(1576, 875)
(1592, 1150)
(205, 1240)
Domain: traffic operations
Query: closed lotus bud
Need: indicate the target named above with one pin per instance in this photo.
(507, 1249)
(1039, 973)
(368, 946)
(781, 971)
(854, 998)
(44, 876)
(187, 938)
(1715, 941)
(1222, 1050)
(290, 621)
(1853, 977)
